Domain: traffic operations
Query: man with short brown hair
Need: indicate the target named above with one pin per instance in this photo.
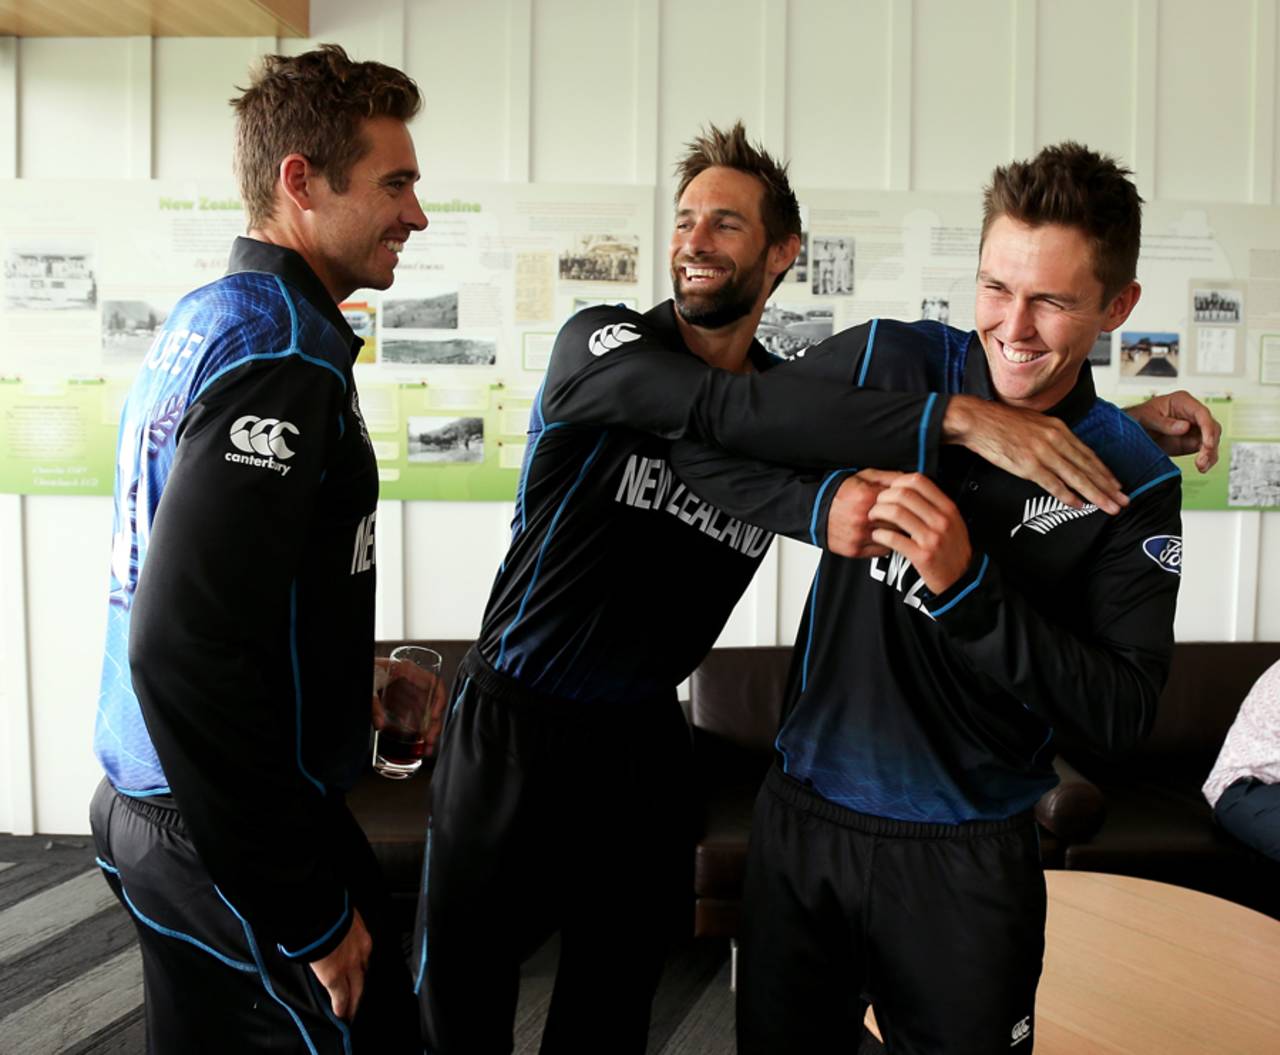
(234, 708)
(893, 854)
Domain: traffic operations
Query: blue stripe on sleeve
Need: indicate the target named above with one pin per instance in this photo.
(817, 503)
(1152, 483)
(346, 911)
(924, 430)
(866, 356)
(966, 591)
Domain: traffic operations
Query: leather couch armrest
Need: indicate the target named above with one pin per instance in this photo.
(1075, 808)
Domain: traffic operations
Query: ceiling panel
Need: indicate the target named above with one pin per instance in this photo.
(154, 18)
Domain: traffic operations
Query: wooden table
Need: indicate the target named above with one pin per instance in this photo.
(1133, 967)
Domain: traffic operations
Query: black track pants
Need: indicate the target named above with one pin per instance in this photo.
(212, 985)
(550, 816)
(940, 926)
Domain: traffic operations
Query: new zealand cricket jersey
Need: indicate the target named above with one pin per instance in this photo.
(240, 624)
(944, 708)
(618, 579)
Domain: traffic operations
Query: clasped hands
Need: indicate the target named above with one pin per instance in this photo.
(877, 511)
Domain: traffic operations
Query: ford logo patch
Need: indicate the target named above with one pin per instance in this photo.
(1165, 550)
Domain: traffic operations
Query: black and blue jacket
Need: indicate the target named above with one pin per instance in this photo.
(945, 708)
(240, 625)
(618, 580)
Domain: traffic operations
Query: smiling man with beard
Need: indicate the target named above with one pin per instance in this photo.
(565, 755)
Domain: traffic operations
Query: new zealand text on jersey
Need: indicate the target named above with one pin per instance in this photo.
(647, 484)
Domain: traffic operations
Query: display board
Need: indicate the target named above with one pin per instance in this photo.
(455, 350)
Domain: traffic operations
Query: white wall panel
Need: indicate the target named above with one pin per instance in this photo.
(194, 81)
(1202, 103)
(1268, 623)
(837, 95)
(457, 54)
(371, 29)
(710, 73)
(75, 101)
(962, 72)
(68, 552)
(584, 109)
(451, 551)
(797, 563)
(1210, 558)
(1085, 90)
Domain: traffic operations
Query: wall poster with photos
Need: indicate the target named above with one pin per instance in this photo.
(454, 351)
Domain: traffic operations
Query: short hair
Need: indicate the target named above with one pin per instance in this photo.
(713, 148)
(1070, 184)
(311, 104)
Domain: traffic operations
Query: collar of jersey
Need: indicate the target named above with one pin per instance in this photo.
(249, 254)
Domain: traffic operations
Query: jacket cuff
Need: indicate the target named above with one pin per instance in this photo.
(959, 605)
(318, 940)
(822, 505)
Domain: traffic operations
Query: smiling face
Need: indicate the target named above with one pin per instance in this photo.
(722, 267)
(357, 236)
(1040, 308)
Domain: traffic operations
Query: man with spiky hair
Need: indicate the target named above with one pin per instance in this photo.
(234, 708)
(565, 755)
(893, 852)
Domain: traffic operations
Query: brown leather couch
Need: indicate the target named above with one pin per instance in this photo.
(1141, 816)
(1153, 821)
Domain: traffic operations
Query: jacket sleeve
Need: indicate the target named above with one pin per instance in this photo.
(609, 367)
(212, 616)
(1099, 685)
(785, 501)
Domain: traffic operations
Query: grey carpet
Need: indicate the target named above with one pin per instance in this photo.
(71, 976)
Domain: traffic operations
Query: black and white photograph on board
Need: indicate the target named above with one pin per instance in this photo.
(936, 308)
(788, 330)
(1254, 478)
(800, 269)
(129, 327)
(445, 351)
(1223, 306)
(441, 439)
(1100, 353)
(831, 265)
(1149, 353)
(601, 258)
(52, 275)
(438, 311)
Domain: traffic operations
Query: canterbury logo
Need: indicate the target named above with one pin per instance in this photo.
(265, 436)
(607, 338)
(1042, 515)
(1021, 1031)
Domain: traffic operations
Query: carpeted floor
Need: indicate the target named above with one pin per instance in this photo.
(71, 977)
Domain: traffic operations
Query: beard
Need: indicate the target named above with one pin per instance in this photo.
(734, 300)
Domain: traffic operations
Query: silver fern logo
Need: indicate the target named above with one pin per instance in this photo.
(1042, 515)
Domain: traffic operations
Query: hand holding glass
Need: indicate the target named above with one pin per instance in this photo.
(408, 700)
